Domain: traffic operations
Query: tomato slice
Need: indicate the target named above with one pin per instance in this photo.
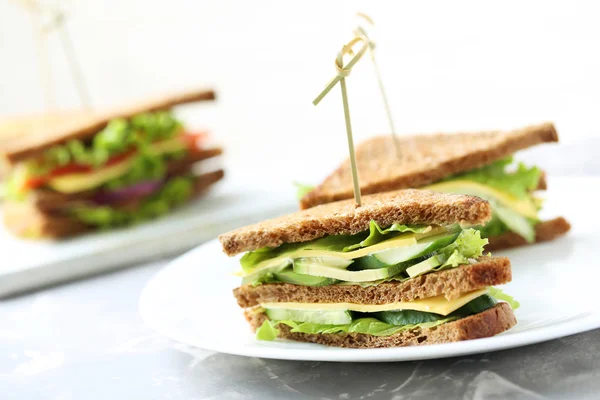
(194, 140)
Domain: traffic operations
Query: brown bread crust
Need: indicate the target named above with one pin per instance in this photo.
(86, 125)
(488, 323)
(544, 232)
(409, 206)
(26, 220)
(489, 271)
(425, 159)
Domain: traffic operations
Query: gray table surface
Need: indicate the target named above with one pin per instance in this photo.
(85, 340)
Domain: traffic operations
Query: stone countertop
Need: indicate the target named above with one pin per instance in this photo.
(85, 340)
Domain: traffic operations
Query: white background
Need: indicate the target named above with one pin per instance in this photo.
(448, 66)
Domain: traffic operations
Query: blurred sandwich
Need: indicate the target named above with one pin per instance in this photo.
(403, 269)
(82, 171)
(478, 164)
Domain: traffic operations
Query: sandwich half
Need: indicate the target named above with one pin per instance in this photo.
(403, 269)
(478, 164)
(84, 171)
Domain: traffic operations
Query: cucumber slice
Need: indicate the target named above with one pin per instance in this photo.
(366, 275)
(423, 267)
(334, 262)
(289, 276)
(423, 247)
(515, 222)
(253, 277)
(337, 317)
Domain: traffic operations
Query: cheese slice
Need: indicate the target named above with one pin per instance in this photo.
(79, 182)
(525, 207)
(437, 305)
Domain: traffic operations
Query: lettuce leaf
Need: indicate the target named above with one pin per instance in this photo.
(119, 136)
(469, 244)
(519, 182)
(370, 326)
(381, 323)
(302, 189)
(377, 235)
(333, 243)
(500, 295)
(175, 192)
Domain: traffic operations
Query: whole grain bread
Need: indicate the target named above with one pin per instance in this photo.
(490, 322)
(544, 232)
(25, 219)
(424, 159)
(85, 125)
(451, 283)
(403, 206)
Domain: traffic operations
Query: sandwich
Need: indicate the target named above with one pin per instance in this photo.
(402, 269)
(99, 170)
(479, 164)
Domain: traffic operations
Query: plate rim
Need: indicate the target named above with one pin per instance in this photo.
(579, 323)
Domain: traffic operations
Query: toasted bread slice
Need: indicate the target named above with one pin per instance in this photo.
(86, 125)
(403, 206)
(490, 322)
(424, 159)
(451, 283)
(544, 232)
(26, 220)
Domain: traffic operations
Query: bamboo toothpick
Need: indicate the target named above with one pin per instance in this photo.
(361, 31)
(57, 22)
(342, 72)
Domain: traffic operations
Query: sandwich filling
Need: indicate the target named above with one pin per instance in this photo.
(509, 189)
(395, 253)
(121, 176)
(382, 320)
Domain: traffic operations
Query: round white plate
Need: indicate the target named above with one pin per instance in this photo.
(191, 301)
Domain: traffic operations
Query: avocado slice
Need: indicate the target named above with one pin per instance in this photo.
(253, 277)
(333, 317)
(367, 275)
(423, 247)
(423, 267)
(289, 276)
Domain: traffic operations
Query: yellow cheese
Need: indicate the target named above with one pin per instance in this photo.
(79, 182)
(437, 305)
(525, 207)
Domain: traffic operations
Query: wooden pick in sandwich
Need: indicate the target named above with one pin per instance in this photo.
(342, 72)
(363, 32)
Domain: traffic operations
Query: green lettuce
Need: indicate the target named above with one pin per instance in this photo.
(469, 244)
(518, 183)
(500, 295)
(369, 326)
(302, 189)
(332, 243)
(175, 192)
(119, 136)
(383, 323)
(377, 235)
(145, 166)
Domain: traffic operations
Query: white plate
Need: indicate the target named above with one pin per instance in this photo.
(190, 300)
(29, 264)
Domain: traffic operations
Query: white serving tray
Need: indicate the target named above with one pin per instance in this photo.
(27, 264)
